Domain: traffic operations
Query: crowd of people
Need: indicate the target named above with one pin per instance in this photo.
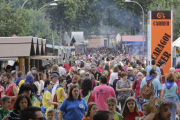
(99, 85)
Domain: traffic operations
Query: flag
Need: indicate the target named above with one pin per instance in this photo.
(72, 41)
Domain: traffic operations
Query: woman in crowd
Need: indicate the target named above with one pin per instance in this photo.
(55, 69)
(136, 89)
(91, 110)
(30, 80)
(38, 84)
(26, 89)
(47, 97)
(130, 110)
(123, 87)
(74, 106)
(109, 72)
(87, 89)
(114, 75)
(67, 66)
(115, 81)
(21, 102)
(42, 79)
(169, 90)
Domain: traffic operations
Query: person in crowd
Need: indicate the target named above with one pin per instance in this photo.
(42, 80)
(144, 73)
(91, 110)
(88, 75)
(26, 89)
(38, 84)
(81, 65)
(169, 91)
(171, 70)
(21, 102)
(123, 87)
(111, 105)
(62, 70)
(115, 81)
(162, 64)
(11, 88)
(102, 92)
(4, 111)
(95, 72)
(70, 75)
(51, 114)
(153, 66)
(74, 106)
(47, 96)
(136, 89)
(30, 80)
(67, 65)
(130, 110)
(155, 82)
(2, 83)
(55, 69)
(120, 68)
(80, 81)
(130, 76)
(158, 110)
(144, 111)
(33, 69)
(114, 75)
(55, 82)
(126, 64)
(20, 75)
(86, 91)
(103, 115)
(14, 76)
(109, 72)
(75, 79)
(31, 113)
(101, 66)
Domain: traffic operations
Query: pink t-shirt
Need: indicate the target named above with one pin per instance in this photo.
(101, 94)
(177, 81)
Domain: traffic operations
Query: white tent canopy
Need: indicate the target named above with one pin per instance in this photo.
(176, 43)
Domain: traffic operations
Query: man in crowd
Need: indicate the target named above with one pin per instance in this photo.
(155, 82)
(31, 113)
(153, 66)
(62, 70)
(96, 74)
(14, 76)
(54, 79)
(102, 92)
(130, 76)
(20, 75)
(11, 88)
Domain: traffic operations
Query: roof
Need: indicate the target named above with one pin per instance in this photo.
(67, 39)
(176, 43)
(21, 46)
(78, 36)
(132, 38)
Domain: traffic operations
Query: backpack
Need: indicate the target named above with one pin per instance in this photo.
(148, 90)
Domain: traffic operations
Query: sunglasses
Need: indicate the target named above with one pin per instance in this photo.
(129, 70)
(87, 74)
(139, 75)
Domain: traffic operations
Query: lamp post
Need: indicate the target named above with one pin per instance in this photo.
(28, 0)
(49, 4)
(143, 19)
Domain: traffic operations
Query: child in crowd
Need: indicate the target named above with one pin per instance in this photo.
(144, 111)
(51, 114)
(91, 110)
(111, 105)
(4, 111)
(130, 110)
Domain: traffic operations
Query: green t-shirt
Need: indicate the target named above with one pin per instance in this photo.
(4, 112)
(70, 59)
(118, 116)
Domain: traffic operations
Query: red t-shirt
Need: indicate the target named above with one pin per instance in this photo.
(67, 67)
(131, 116)
(100, 69)
(137, 87)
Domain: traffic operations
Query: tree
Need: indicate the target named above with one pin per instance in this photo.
(11, 23)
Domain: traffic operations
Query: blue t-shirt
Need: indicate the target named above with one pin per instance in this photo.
(170, 92)
(156, 85)
(73, 109)
(157, 69)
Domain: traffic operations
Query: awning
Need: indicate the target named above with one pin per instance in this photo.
(42, 57)
(5, 59)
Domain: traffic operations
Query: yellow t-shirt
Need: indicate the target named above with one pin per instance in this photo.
(47, 95)
(35, 102)
(60, 98)
(20, 83)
